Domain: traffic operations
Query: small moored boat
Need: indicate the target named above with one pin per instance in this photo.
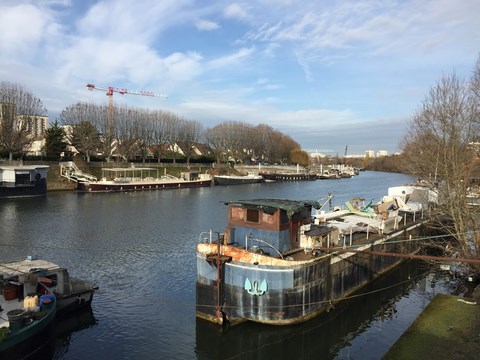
(25, 327)
(71, 293)
(250, 178)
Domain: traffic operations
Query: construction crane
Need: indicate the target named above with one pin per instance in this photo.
(109, 92)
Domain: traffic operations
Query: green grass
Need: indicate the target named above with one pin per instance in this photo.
(446, 329)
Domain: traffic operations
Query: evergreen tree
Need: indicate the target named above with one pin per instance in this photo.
(55, 142)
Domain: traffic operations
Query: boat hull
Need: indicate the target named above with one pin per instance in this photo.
(237, 180)
(290, 294)
(30, 339)
(21, 191)
(71, 303)
(144, 186)
(288, 177)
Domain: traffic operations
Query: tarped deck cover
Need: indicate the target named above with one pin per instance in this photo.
(270, 205)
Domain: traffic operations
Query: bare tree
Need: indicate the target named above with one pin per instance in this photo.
(159, 132)
(103, 121)
(216, 139)
(172, 133)
(475, 83)
(438, 147)
(85, 138)
(145, 128)
(97, 115)
(18, 107)
(189, 135)
(127, 133)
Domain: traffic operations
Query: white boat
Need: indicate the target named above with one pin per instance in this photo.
(250, 178)
(23, 181)
(142, 179)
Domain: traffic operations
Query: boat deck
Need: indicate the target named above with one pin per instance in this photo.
(23, 266)
(8, 305)
(10, 269)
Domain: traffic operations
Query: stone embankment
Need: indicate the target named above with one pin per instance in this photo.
(56, 182)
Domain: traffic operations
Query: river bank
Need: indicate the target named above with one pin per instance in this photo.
(448, 328)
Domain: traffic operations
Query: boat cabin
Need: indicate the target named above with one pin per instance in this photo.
(267, 225)
(23, 181)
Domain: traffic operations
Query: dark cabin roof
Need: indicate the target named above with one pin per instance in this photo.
(271, 205)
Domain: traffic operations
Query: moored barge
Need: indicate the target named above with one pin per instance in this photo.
(250, 178)
(283, 177)
(142, 179)
(273, 265)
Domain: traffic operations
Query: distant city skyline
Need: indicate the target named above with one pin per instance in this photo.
(328, 74)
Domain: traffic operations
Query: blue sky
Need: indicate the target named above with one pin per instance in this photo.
(327, 73)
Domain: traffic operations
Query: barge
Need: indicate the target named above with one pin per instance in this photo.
(142, 179)
(283, 177)
(250, 178)
(276, 262)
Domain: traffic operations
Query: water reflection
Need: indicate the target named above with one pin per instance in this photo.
(67, 328)
(328, 336)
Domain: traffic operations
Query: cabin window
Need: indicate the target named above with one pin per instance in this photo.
(305, 213)
(22, 178)
(284, 217)
(253, 215)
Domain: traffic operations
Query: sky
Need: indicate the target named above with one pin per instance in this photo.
(330, 74)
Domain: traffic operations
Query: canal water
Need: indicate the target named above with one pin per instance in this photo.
(139, 248)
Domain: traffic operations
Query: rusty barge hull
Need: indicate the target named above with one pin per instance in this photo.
(291, 292)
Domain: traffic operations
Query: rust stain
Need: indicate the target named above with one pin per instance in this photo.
(241, 255)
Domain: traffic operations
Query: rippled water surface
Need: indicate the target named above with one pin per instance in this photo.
(140, 249)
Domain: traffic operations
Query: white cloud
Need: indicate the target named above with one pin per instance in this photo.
(232, 59)
(138, 21)
(235, 11)
(23, 28)
(206, 25)
(305, 66)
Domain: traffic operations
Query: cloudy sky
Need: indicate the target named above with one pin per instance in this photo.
(327, 73)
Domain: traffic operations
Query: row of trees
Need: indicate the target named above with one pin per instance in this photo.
(127, 133)
(245, 142)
